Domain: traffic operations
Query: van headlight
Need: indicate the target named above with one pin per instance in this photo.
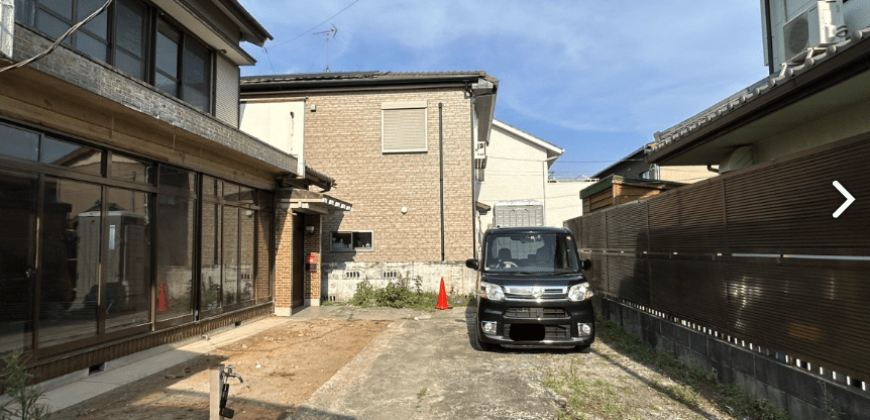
(579, 292)
(491, 291)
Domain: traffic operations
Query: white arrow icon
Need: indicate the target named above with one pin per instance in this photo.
(849, 199)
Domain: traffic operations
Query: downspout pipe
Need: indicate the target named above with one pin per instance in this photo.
(441, 171)
(473, 202)
(769, 40)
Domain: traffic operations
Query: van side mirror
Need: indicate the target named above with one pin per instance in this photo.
(472, 263)
(585, 264)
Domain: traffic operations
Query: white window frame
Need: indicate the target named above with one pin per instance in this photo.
(351, 249)
(407, 105)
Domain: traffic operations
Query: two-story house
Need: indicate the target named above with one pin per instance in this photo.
(405, 149)
(134, 212)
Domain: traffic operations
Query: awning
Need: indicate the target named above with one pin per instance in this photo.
(304, 201)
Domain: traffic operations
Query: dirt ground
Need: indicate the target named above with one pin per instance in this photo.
(281, 367)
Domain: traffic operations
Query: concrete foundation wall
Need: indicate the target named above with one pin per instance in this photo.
(339, 280)
(802, 393)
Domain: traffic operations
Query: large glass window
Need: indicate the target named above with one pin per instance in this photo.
(181, 66)
(131, 169)
(17, 249)
(71, 155)
(210, 264)
(71, 262)
(176, 222)
(231, 255)
(264, 231)
(246, 255)
(18, 143)
(128, 261)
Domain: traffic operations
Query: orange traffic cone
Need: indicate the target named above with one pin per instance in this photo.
(162, 304)
(442, 297)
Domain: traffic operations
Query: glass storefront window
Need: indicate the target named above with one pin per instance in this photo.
(131, 169)
(210, 255)
(231, 255)
(17, 248)
(70, 261)
(128, 260)
(177, 178)
(72, 156)
(246, 255)
(18, 143)
(264, 277)
(176, 222)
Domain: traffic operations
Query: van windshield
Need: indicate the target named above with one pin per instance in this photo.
(533, 253)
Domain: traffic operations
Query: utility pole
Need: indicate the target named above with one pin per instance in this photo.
(329, 34)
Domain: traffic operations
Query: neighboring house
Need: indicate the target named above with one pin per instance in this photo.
(740, 256)
(636, 166)
(634, 177)
(381, 136)
(134, 211)
(518, 168)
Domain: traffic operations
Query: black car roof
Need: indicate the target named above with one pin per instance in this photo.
(527, 229)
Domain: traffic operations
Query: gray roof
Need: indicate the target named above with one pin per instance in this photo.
(362, 76)
(788, 71)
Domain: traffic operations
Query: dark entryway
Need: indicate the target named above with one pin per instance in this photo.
(298, 260)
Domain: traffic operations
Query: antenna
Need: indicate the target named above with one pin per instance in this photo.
(328, 33)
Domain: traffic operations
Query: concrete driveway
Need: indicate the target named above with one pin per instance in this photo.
(427, 369)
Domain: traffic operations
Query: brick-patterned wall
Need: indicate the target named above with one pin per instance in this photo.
(284, 227)
(110, 83)
(312, 247)
(343, 139)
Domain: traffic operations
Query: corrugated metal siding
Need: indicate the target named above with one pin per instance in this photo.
(725, 254)
(227, 92)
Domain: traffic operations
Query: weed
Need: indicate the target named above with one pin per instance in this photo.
(399, 294)
(24, 402)
(422, 393)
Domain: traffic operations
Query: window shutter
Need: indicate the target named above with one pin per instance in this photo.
(404, 130)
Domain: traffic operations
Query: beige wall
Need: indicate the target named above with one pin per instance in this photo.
(689, 174)
(343, 140)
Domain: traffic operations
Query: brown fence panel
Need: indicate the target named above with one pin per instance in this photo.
(788, 207)
(691, 289)
(755, 255)
(627, 228)
(628, 277)
(690, 220)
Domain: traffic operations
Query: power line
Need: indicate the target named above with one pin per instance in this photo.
(315, 26)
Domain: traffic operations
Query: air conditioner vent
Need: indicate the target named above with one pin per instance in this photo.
(797, 36)
(819, 25)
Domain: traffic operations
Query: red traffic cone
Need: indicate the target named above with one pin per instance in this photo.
(442, 297)
(162, 304)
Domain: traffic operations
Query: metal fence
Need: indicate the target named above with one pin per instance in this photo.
(754, 255)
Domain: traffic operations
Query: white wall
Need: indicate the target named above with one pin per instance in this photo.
(856, 14)
(515, 170)
(280, 124)
(563, 201)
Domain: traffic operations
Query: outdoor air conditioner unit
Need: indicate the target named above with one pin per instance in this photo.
(822, 23)
(7, 27)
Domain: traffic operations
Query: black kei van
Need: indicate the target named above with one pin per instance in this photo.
(532, 289)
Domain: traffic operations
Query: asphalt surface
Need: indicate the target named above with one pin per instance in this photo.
(428, 369)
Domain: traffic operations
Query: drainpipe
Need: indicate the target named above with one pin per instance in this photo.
(441, 171)
(769, 40)
(473, 202)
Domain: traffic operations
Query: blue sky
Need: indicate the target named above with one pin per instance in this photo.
(596, 78)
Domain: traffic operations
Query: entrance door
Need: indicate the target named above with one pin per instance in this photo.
(298, 260)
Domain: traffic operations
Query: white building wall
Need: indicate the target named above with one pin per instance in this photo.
(280, 124)
(563, 201)
(515, 170)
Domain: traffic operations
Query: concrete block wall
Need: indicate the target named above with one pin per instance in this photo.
(340, 280)
(803, 395)
(343, 139)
